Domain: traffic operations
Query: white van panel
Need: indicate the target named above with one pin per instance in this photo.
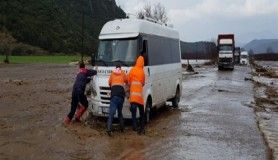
(136, 26)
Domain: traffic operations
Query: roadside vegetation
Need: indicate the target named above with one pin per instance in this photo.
(12, 51)
(57, 26)
(61, 59)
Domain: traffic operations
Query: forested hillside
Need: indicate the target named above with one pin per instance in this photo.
(56, 25)
(262, 46)
(198, 50)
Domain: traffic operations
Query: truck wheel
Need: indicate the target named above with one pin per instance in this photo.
(220, 68)
(148, 110)
(176, 99)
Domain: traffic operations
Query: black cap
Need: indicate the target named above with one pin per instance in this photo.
(81, 64)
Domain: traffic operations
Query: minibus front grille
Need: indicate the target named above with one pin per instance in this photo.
(105, 98)
(105, 94)
(105, 88)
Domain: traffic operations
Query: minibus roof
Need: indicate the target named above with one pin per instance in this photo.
(130, 28)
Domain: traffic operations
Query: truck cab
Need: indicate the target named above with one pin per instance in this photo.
(237, 55)
(244, 58)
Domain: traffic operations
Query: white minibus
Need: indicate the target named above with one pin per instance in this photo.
(121, 42)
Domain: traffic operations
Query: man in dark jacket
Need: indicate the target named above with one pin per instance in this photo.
(79, 99)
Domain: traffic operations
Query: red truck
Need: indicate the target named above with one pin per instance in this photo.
(226, 50)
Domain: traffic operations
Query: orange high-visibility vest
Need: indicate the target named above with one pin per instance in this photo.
(136, 80)
(119, 79)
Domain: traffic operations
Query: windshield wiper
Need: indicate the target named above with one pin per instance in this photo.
(100, 60)
(122, 62)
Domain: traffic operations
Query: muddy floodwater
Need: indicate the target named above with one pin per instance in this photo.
(212, 122)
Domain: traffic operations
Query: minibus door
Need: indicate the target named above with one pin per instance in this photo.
(151, 73)
(148, 76)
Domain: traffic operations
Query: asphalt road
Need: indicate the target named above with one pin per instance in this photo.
(219, 124)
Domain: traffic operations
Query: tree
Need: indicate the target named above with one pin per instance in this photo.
(145, 12)
(6, 42)
(159, 13)
(156, 12)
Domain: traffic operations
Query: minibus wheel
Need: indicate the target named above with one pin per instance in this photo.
(176, 99)
(148, 110)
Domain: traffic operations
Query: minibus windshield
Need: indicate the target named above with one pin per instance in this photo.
(120, 51)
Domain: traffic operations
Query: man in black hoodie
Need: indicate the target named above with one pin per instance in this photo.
(79, 99)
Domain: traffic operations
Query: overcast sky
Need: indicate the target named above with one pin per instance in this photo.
(198, 20)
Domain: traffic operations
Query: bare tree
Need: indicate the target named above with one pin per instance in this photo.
(159, 13)
(156, 12)
(145, 12)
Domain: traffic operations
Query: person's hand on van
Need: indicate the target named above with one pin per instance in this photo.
(96, 68)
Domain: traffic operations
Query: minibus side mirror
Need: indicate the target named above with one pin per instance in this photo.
(140, 44)
(144, 52)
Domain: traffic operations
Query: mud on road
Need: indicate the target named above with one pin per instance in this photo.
(212, 122)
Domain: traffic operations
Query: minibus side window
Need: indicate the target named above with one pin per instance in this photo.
(144, 52)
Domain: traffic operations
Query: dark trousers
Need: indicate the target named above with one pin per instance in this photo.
(116, 104)
(133, 109)
(77, 97)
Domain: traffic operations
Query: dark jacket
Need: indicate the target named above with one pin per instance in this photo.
(82, 78)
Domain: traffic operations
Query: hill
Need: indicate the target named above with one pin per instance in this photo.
(198, 50)
(56, 26)
(263, 46)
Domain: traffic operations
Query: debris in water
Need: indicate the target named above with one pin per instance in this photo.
(248, 79)
(189, 68)
(264, 115)
(184, 109)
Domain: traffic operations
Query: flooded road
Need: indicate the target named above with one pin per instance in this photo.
(211, 123)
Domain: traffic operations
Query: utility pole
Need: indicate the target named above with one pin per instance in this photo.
(7, 49)
(82, 32)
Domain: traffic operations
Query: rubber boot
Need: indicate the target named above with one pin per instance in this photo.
(79, 113)
(67, 121)
(76, 113)
(142, 126)
(122, 128)
(109, 133)
(134, 126)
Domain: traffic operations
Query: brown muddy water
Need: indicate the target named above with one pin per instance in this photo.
(212, 122)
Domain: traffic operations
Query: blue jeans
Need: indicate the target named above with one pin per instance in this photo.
(116, 103)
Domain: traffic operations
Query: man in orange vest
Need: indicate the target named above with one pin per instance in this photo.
(117, 82)
(136, 80)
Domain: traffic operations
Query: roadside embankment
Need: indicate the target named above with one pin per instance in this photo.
(265, 78)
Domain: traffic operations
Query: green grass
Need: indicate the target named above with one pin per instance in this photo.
(42, 59)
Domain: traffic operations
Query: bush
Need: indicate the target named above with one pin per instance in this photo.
(20, 49)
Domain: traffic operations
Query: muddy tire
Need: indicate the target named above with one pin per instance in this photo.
(148, 110)
(176, 99)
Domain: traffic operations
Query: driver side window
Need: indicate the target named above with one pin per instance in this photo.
(144, 52)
